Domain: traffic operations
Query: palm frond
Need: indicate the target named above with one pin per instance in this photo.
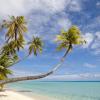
(35, 46)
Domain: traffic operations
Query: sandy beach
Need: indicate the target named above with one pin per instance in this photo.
(13, 95)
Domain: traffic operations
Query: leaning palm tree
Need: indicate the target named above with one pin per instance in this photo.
(66, 41)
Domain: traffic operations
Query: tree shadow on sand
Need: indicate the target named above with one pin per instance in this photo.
(2, 95)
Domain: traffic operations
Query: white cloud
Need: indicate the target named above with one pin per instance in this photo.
(68, 76)
(89, 65)
(64, 77)
(20, 7)
(93, 42)
(38, 12)
(64, 23)
(21, 72)
(81, 76)
(89, 38)
(23, 7)
(75, 6)
(13, 7)
(96, 44)
(50, 5)
(98, 35)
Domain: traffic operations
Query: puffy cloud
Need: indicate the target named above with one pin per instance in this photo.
(20, 7)
(13, 7)
(89, 38)
(50, 5)
(64, 23)
(23, 7)
(93, 42)
(75, 6)
(96, 44)
(37, 12)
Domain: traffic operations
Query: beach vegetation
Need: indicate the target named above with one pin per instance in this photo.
(15, 31)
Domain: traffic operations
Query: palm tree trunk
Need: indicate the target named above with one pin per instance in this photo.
(62, 59)
(11, 80)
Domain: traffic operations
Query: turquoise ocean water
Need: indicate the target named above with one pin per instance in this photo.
(62, 90)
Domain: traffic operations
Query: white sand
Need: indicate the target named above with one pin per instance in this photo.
(10, 95)
(13, 95)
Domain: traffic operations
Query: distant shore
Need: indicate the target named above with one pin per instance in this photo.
(13, 95)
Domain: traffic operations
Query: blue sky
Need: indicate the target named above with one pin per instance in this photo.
(46, 18)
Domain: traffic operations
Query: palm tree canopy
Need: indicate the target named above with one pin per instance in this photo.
(5, 61)
(35, 46)
(4, 72)
(15, 41)
(13, 46)
(69, 38)
(15, 27)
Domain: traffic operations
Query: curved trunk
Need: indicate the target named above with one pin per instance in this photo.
(11, 80)
(35, 77)
(62, 59)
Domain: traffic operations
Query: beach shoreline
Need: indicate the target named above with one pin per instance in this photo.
(55, 90)
(15, 95)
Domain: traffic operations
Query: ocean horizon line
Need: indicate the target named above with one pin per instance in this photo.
(64, 81)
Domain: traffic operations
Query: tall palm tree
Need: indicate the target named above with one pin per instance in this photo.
(66, 40)
(16, 27)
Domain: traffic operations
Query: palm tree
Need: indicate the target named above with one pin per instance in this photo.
(15, 27)
(35, 46)
(69, 39)
(4, 71)
(13, 46)
(66, 40)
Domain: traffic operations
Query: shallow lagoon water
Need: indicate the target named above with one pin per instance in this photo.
(61, 90)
